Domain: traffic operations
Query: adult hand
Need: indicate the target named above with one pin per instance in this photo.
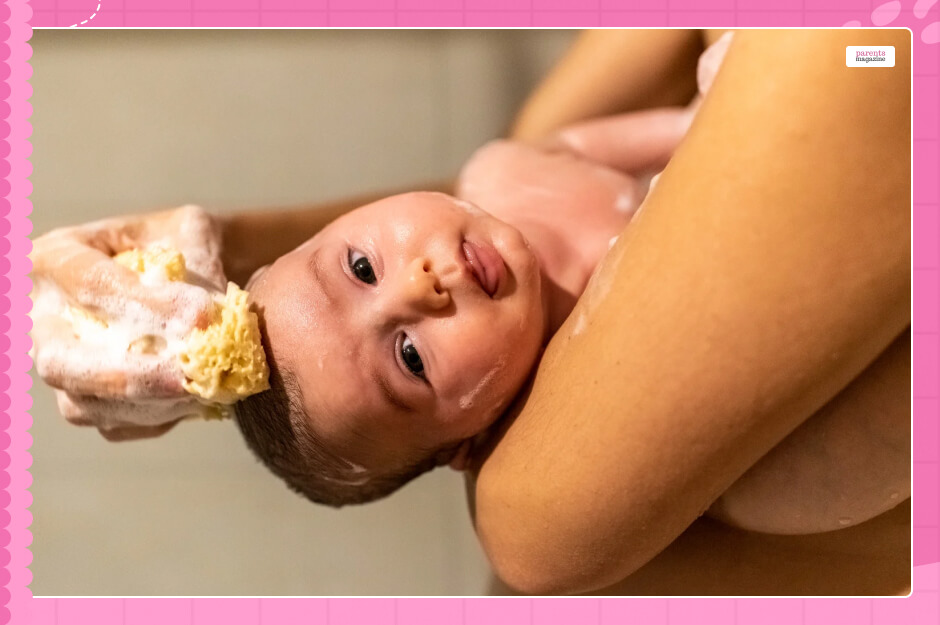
(105, 337)
(640, 143)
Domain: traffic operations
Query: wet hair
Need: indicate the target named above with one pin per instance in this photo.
(276, 428)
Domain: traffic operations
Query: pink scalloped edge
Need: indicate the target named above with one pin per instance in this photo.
(15, 382)
(15, 304)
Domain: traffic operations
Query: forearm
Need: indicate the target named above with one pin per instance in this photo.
(766, 270)
(612, 71)
(255, 238)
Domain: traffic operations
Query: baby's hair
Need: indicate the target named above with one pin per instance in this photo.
(276, 428)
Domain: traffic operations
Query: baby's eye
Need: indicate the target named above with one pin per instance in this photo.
(361, 267)
(409, 354)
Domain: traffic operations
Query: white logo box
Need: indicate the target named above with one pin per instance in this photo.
(869, 56)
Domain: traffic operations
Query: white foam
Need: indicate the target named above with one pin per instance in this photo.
(467, 401)
(107, 328)
(354, 469)
(624, 203)
(580, 324)
(359, 481)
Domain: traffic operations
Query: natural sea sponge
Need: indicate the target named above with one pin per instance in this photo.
(162, 262)
(225, 362)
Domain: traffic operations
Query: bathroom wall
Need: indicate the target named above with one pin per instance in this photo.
(233, 119)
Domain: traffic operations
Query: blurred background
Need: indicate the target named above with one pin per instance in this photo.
(127, 121)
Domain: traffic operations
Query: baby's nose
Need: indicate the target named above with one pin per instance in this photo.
(422, 288)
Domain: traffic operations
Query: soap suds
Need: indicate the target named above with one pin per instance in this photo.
(467, 401)
(580, 324)
(144, 349)
(655, 180)
(572, 140)
(354, 469)
(155, 264)
(599, 286)
(624, 203)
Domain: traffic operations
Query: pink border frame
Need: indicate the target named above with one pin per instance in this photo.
(16, 19)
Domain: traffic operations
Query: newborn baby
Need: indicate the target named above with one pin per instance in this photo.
(401, 331)
(404, 329)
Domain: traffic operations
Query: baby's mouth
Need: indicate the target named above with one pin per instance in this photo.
(486, 264)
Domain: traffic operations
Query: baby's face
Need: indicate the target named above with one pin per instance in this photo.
(409, 324)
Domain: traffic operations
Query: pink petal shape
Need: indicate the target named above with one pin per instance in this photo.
(855, 23)
(921, 8)
(886, 13)
(931, 33)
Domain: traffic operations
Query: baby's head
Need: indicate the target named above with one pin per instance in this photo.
(395, 335)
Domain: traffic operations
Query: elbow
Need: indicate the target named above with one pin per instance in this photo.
(542, 541)
(535, 569)
(543, 552)
(530, 574)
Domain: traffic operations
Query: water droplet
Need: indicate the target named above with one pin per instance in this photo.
(845, 521)
(886, 13)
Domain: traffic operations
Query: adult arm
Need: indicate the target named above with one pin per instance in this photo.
(612, 71)
(605, 72)
(768, 268)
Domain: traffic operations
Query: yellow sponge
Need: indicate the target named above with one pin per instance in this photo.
(167, 262)
(224, 362)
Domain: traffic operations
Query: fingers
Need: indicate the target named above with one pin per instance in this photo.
(70, 410)
(81, 267)
(633, 143)
(86, 275)
(136, 433)
(178, 307)
(117, 414)
(200, 239)
(139, 378)
(83, 368)
(710, 62)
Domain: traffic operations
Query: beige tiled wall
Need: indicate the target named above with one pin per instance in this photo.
(133, 120)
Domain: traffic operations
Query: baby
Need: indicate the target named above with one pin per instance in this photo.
(403, 329)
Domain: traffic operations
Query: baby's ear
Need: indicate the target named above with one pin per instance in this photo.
(458, 461)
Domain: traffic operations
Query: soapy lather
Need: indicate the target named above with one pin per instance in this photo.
(222, 363)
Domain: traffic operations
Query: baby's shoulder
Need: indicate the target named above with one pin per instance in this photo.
(523, 182)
